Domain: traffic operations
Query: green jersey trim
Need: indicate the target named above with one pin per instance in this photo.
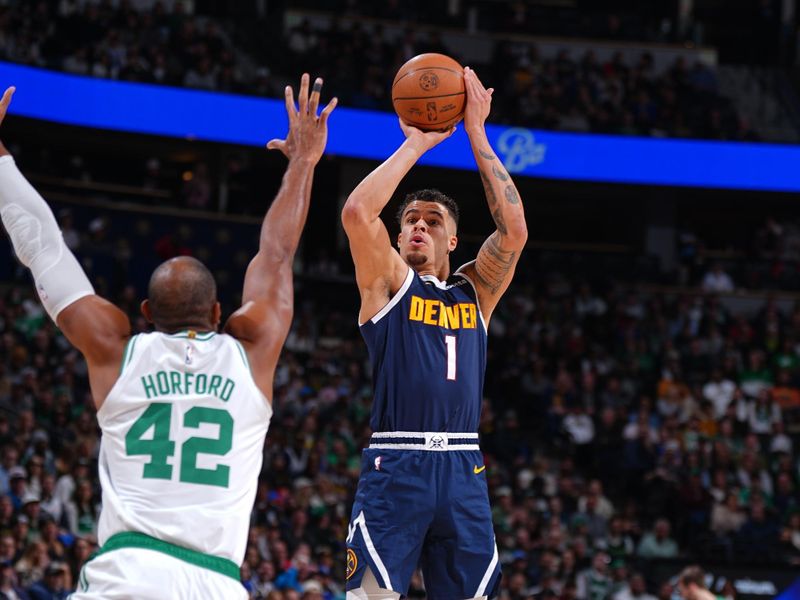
(134, 539)
(244, 355)
(128, 354)
(84, 583)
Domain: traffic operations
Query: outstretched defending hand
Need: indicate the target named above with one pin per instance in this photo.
(308, 132)
(479, 101)
(6, 100)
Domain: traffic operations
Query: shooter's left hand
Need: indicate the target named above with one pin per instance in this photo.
(479, 101)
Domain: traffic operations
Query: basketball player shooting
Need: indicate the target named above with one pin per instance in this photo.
(422, 497)
(183, 410)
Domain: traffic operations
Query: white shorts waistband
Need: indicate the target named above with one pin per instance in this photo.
(435, 441)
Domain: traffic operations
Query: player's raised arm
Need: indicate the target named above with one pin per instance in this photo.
(494, 267)
(379, 269)
(263, 321)
(92, 324)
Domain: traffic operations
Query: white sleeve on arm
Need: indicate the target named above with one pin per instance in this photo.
(38, 242)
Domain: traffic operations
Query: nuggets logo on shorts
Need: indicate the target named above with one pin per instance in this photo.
(352, 563)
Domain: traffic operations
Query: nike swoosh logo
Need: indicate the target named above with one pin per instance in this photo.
(478, 471)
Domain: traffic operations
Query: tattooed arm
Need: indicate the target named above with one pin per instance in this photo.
(492, 270)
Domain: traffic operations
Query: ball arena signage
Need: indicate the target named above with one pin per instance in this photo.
(248, 120)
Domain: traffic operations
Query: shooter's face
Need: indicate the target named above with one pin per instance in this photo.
(427, 235)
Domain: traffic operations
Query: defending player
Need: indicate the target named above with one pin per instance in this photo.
(422, 497)
(692, 585)
(184, 410)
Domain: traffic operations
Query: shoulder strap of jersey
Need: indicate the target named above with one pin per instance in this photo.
(394, 299)
(242, 352)
(469, 289)
(127, 356)
(473, 291)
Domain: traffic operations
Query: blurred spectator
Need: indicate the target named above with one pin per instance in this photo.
(201, 76)
(33, 564)
(197, 188)
(594, 583)
(755, 377)
(719, 391)
(635, 590)
(757, 539)
(717, 281)
(54, 586)
(9, 589)
(657, 543)
(763, 414)
(727, 517)
(71, 236)
(81, 511)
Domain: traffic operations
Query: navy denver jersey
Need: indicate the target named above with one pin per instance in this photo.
(428, 352)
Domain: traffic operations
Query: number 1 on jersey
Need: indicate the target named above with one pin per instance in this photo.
(450, 342)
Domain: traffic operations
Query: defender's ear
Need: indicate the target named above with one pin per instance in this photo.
(144, 307)
(216, 315)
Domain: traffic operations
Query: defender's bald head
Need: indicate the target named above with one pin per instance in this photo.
(182, 294)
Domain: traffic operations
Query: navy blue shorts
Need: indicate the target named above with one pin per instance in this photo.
(428, 509)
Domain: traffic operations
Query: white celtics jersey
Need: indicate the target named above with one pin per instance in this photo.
(183, 436)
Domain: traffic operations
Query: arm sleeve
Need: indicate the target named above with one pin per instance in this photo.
(38, 242)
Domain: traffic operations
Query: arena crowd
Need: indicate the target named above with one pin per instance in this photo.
(619, 427)
(166, 45)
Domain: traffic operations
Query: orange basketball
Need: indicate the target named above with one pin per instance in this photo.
(428, 92)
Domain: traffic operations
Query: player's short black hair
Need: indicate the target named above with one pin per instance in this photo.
(181, 293)
(693, 574)
(429, 195)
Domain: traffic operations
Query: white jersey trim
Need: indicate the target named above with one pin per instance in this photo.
(435, 281)
(127, 356)
(361, 522)
(243, 352)
(395, 299)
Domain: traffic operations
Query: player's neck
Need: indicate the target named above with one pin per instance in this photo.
(442, 273)
(195, 327)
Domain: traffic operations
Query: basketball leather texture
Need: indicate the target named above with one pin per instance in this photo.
(428, 92)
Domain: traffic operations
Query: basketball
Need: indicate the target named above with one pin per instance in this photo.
(428, 92)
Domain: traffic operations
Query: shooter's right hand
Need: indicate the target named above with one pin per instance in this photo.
(423, 141)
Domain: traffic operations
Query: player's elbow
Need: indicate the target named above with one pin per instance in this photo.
(284, 306)
(517, 231)
(273, 256)
(354, 213)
